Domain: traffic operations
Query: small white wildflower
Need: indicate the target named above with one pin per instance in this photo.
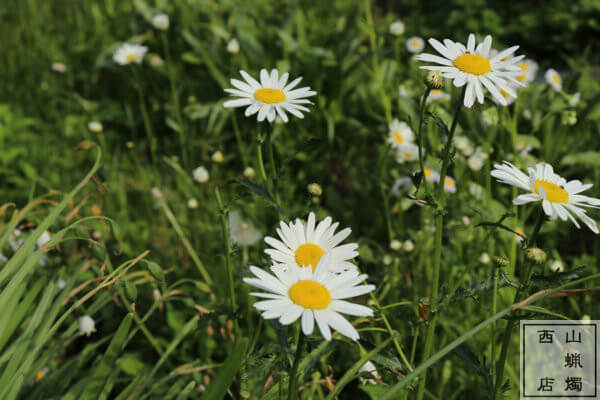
(556, 266)
(161, 21)
(397, 28)
(408, 246)
(43, 239)
(485, 258)
(218, 157)
(95, 126)
(86, 325)
(242, 232)
(249, 172)
(192, 204)
(233, 46)
(395, 245)
(368, 369)
(575, 99)
(477, 159)
(129, 53)
(586, 319)
(201, 174)
(59, 67)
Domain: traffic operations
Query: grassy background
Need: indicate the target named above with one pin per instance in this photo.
(44, 117)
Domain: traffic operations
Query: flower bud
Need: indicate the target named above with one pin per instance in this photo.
(395, 245)
(315, 189)
(131, 291)
(535, 254)
(249, 172)
(501, 261)
(434, 80)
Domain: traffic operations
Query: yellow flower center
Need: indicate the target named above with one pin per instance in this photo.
(407, 155)
(505, 94)
(309, 254)
(524, 67)
(554, 193)
(131, 57)
(415, 43)
(556, 79)
(398, 137)
(448, 181)
(310, 294)
(427, 173)
(436, 92)
(472, 64)
(39, 376)
(269, 96)
(522, 143)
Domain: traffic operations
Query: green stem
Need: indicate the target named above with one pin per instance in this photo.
(437, 251)
(176, 105)
(388, 327)
(510, 324)
(293, 386)
(224, 213)
(261, 164)
(274, 178)
(145, 117)
(240, 143)
(420, 138)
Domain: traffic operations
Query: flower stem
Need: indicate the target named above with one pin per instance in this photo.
(420, 138)
(293, 376)
(510, 323)
(176, 105)
(274, 177)
(437, 252)
(145, 117)
(224, 213)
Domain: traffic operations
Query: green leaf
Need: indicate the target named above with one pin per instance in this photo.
(374, 391)
(219, 385)
(591, 158)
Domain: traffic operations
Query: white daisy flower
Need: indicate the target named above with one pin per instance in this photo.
(300, 292)
(484, 258)
(201, 174)
(86, 325)
(95, 126)
(519, 235)
(477, 159)
(449, 184)
(400, 133)
(161, 21)
(509, 98)
(242, 232)
(401, 185)
(415, 44)
(59, 67)
(270, 97)
(559, 197)
(473, 66)
(397, 28)
(43, 239)
(129, 53)
(406, 153)
(553, 79)
(233, 46)
(437, 95)
(529, 69)
(304, 245)
(575, 99)
(431, 176)
(368, 369)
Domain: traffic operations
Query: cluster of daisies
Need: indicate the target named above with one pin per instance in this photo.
(401, 137)
(311, 277)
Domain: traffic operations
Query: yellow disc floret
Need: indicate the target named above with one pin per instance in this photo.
(132, 57)
(554, 193)
(269, 96)
(398, 137)
(472, 64)
(309, 254)
(310, 294)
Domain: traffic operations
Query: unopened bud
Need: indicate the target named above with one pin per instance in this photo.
(395, 245)
(131, 291)
(501, 261)
(434, 80)
(315, 189)
(535, 254)
(155, 270)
